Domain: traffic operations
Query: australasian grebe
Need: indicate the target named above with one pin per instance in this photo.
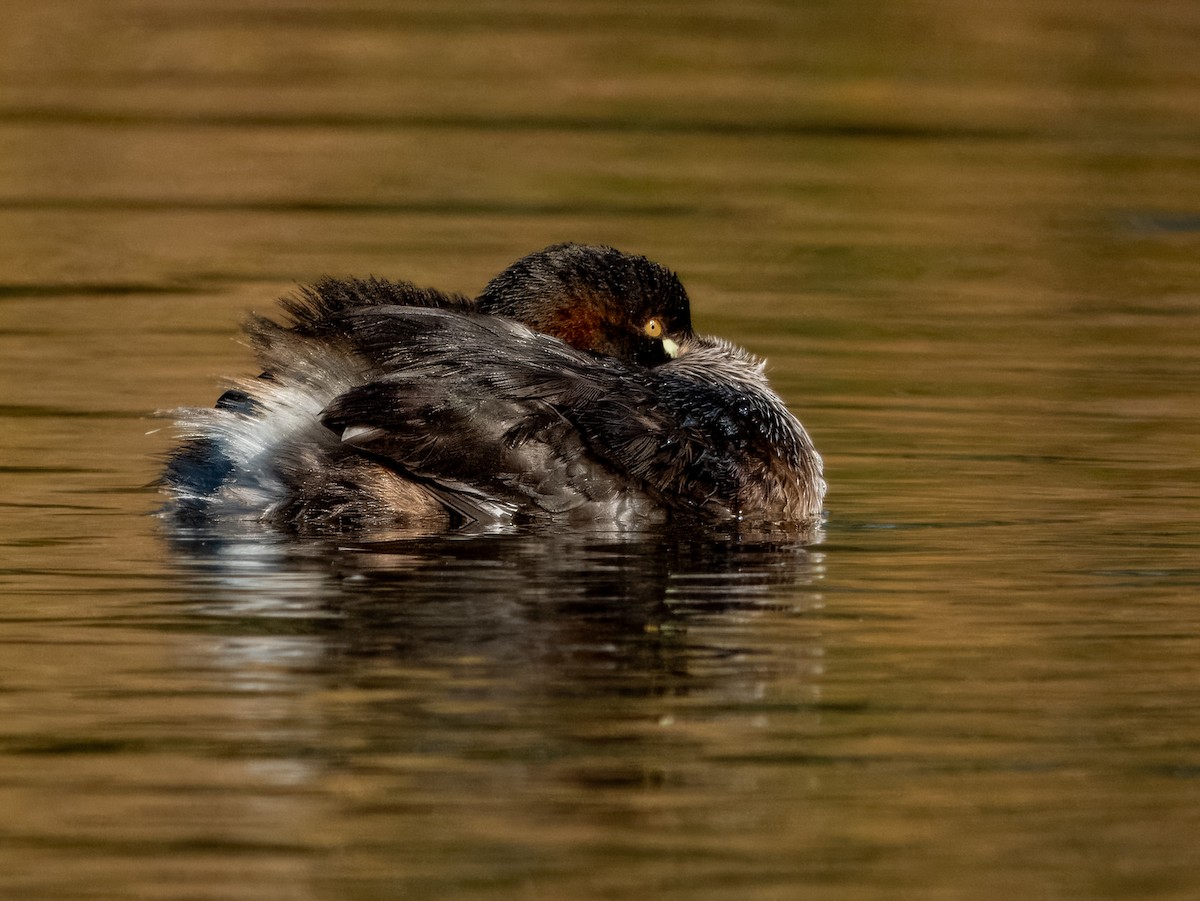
(572, 388)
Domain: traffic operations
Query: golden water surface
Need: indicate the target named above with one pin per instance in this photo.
(967, 236)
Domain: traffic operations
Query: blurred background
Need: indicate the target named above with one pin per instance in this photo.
(966, 235)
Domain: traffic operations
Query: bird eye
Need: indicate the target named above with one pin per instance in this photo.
(653, 328)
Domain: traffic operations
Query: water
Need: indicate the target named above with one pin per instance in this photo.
(966, 239)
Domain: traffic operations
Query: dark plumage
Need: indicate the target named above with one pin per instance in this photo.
(572, 388)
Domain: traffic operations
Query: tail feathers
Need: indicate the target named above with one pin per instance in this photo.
(230, 460)
(267, 457)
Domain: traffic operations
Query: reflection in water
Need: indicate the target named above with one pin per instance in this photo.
(459, 697)
(572, 603)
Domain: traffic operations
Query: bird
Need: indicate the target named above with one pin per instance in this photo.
(573, 389)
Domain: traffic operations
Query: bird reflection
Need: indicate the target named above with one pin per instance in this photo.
(614, 606)
(603, 656)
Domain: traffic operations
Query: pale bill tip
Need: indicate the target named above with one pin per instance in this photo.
(671, 348)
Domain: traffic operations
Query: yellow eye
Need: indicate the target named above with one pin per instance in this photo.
(653, 328)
